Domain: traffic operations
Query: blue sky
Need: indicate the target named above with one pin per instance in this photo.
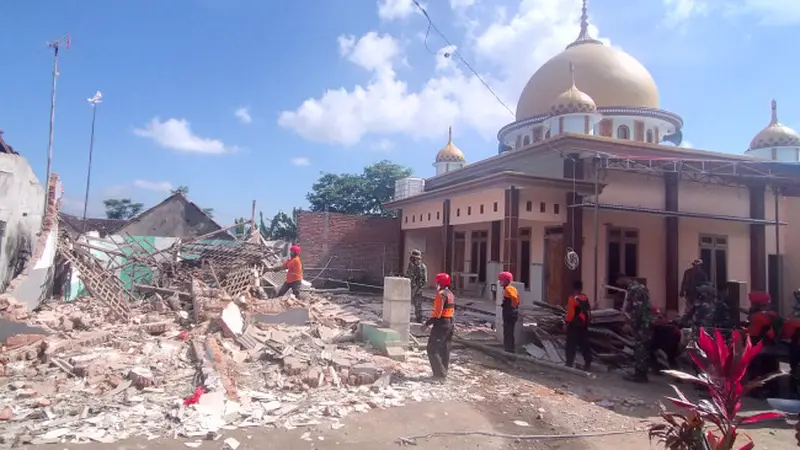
(249, 99)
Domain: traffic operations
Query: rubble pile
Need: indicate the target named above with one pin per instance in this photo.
(610, 335)
(190, 355)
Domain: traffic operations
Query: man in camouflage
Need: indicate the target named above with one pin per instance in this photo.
(702, 313)
(417, 272)
(641, 314)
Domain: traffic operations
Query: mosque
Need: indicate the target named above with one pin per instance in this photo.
(590, 183)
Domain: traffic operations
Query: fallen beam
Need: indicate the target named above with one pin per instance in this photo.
(502, 354)
(162, 291)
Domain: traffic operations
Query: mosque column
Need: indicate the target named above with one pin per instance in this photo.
(494, 248)
(511, 231)
(758, 240)
(573, 227)
(671, 244)
(447, 238)
(402, 247)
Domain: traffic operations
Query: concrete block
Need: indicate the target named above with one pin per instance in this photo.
(396, 289)
(379, 337)
(395, 352)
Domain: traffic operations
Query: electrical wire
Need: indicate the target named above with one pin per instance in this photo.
(454, 52)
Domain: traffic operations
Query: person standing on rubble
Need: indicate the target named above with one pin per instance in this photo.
(579, 314)
(441, 338)
(510, 307)
(294, 273)
(641, 313)
(693, 278)
(417, 272)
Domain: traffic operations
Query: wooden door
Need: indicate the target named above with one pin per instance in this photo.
(553, 267)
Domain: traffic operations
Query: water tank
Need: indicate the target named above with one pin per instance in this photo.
(408, 186)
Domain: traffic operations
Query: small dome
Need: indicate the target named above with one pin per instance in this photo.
(611, 77)
(450, 153)
(775, 134)
(573, 100)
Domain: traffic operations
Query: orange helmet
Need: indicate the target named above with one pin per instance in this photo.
(442, 279)
(295, 249)
(505, 277)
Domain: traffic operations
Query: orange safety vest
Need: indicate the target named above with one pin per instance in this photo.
(578, 310)
(763, 324)
(444, 305)
(511, 295)
(294, 270)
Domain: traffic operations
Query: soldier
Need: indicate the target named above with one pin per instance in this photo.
(641, 314)
(693, 277)
(417, 272)
(721, 314)
(702, 312)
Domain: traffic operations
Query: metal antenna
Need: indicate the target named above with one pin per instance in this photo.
(55, 46)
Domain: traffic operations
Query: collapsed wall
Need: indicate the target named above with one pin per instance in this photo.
(21, 209)
(27, 246)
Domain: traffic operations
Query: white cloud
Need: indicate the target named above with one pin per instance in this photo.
(243, 114)
(158, 186)
(176, 134)
(301, 161)
(508, 51)
(459, 4)
(396, 9)
(383, 145)
(767, 12)
(687, 144)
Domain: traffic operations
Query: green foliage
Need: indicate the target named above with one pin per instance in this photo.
(242, 229)
(282, 227)
(185, 191)
(363, 193)
(122, 208)
(209, 212)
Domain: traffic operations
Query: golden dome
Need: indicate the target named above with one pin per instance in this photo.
(450, 153)
(775, 134)
(609, 76)
(573, 100)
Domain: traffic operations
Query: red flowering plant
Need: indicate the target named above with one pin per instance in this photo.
(722, 368)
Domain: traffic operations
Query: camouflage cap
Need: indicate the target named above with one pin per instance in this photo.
(416, 253)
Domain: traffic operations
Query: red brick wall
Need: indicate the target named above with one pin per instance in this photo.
(362, 248)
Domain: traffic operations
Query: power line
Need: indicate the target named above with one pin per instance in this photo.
(455, 52)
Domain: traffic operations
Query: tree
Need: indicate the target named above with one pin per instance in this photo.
(282, 227)
(363, 193)
(242, 229)
(185, 191)
(122, 208)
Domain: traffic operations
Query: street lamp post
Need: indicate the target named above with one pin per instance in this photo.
(94, 101)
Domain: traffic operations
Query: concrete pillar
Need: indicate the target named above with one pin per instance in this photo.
(397, 306)
(498, 318)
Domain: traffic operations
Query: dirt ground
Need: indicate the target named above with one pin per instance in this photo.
(517, 400)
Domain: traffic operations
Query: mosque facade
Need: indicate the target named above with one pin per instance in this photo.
(591, 171)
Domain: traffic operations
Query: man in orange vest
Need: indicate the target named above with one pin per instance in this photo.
(294, 273)
(579, 314)
(764, 327)
(441, 337)
(510, 308)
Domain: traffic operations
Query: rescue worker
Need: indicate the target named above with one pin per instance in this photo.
(441, 336)
(667, 338)
(510, 307)
(791, 333)
(294, 273)
(764, 326)
(693, 277)
(417, 272)
(702, 313)
(641, 314)
(579, 315)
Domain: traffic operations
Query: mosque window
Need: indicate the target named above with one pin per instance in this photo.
(649, 136)
(623, 132)
(526, 140)
(429, 216)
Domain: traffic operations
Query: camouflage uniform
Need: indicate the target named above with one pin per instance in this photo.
(722, 315)
(417, 272)
(796, 308)
(702, 314)
(642, 314)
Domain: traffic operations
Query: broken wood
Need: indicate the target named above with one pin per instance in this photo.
(162, 291)
(502, 354)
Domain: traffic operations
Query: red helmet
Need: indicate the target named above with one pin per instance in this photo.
(295, 249)
(759, 298)
(505, 277)
(442, 279)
